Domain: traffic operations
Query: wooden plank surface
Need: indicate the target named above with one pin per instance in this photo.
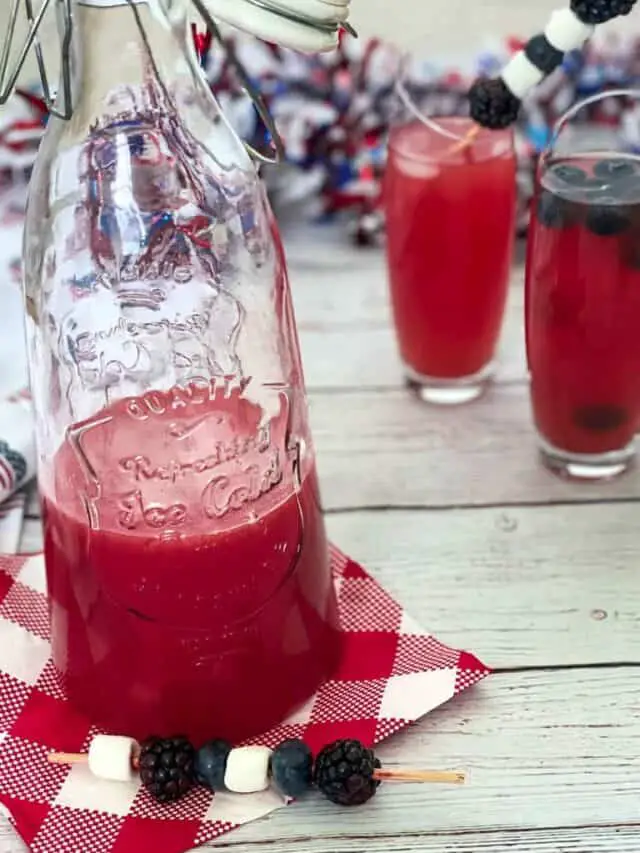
(590, 839)
(521, 587)
(386, 448)
(543, 750)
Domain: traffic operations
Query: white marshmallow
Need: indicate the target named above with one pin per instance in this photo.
(247, 770)
(566, 32)
(110, 757)
(520, 75)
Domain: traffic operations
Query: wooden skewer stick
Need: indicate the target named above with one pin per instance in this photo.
(68, 758)
(447, 777)
(81, 758)
(469, 139)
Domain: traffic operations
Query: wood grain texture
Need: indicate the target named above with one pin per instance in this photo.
(542, 750)
(522, 587)
(592, 839)
(379, 449)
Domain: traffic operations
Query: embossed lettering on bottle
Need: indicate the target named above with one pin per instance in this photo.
(199, 460)
(204, 443)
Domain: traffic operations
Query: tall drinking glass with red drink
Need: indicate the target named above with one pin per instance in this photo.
(583, 307)
(450, 205)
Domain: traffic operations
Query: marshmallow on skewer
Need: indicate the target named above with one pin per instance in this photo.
(566, 32)
(112, 757)
(169, 767)
(247, 770)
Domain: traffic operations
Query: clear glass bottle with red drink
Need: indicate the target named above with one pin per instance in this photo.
(186, 557)
(450, 207)
(583, 299)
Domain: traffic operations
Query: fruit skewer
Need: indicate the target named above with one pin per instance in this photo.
(495, 102)
(345, 771)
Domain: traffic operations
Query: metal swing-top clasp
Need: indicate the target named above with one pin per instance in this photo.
(310, 26)
(10, 71)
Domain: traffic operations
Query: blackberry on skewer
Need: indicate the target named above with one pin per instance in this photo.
(495, 103)
(345, 771)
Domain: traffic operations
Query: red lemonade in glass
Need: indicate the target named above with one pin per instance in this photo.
(583, 313)
(450, 218)
(224, 621)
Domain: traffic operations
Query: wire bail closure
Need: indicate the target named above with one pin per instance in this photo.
(320, 31)
(9, 73)
(250, 89)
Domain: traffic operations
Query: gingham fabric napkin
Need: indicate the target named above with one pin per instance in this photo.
(393, 672)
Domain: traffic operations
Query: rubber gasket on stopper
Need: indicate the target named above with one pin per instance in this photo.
(310, 26)
(108, 4)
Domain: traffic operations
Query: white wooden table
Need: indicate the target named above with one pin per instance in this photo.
(452, 512)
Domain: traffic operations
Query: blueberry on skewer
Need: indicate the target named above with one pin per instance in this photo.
(345, 771)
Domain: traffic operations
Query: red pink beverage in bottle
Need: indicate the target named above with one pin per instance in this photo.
(450, 212)
(233, 590)
(188, 572)
(583, 313)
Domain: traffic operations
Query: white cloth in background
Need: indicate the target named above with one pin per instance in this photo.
(17, 446)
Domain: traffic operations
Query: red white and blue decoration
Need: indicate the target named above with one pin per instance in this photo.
(334, 110)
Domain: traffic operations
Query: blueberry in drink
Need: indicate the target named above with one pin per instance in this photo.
(583, 304)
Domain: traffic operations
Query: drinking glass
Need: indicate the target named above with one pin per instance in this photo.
(583, 300)
(450, 204)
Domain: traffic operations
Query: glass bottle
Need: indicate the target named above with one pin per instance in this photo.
(186, 557)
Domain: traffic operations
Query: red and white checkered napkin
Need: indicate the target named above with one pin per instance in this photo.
(392, 672)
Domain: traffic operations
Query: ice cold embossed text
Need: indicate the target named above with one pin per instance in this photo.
(204, 468)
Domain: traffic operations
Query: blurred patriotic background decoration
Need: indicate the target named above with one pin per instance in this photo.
(334, 111)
